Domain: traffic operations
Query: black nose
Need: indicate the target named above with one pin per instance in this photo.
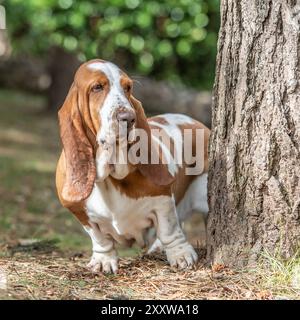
(127, 116)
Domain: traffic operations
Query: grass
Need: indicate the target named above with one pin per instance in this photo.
(43, 250)
(280, 275)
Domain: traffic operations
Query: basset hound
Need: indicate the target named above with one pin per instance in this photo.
(120, 201)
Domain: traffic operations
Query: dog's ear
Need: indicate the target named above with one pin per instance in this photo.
(80, 163)
(157, 173)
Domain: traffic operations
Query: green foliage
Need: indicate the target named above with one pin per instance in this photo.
(169, 39)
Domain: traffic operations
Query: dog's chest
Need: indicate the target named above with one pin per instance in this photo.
(119, 215)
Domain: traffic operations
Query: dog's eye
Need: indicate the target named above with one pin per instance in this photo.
(97, 87)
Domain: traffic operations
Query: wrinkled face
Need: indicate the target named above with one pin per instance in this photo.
(109, 91)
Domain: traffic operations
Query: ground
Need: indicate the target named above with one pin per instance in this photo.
(43, 250)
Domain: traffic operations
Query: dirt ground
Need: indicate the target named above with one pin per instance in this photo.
(62, 275)
(43, 250)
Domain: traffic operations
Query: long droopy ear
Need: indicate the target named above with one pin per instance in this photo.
(80, 163)
(157, 173)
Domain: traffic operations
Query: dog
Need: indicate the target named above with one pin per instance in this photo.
(118, 201)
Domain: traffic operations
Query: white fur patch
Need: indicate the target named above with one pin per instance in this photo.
(116, 98)
(177, 118)
(175, 133)
(195, 198)
(109, 125)
(122, 217)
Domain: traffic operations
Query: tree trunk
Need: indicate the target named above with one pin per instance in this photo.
(254, 185)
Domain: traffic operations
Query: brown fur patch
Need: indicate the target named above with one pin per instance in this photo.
(77, 208)
(135, 186)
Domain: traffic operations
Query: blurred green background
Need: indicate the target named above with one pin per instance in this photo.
(173, 40)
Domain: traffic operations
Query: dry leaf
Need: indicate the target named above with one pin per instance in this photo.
(218, 267)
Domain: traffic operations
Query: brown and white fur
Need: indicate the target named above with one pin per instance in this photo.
(120, 203)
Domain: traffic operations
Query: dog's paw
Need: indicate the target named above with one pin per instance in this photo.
(105, 262)
(182, 256)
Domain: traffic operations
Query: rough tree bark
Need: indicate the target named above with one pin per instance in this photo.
(254, 185)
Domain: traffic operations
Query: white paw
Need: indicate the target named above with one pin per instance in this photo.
(182, 256)
(105, 262)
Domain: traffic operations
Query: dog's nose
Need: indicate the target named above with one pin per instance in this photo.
(126, 116)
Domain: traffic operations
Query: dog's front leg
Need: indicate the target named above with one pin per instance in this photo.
(179, 252)
(104, 256)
